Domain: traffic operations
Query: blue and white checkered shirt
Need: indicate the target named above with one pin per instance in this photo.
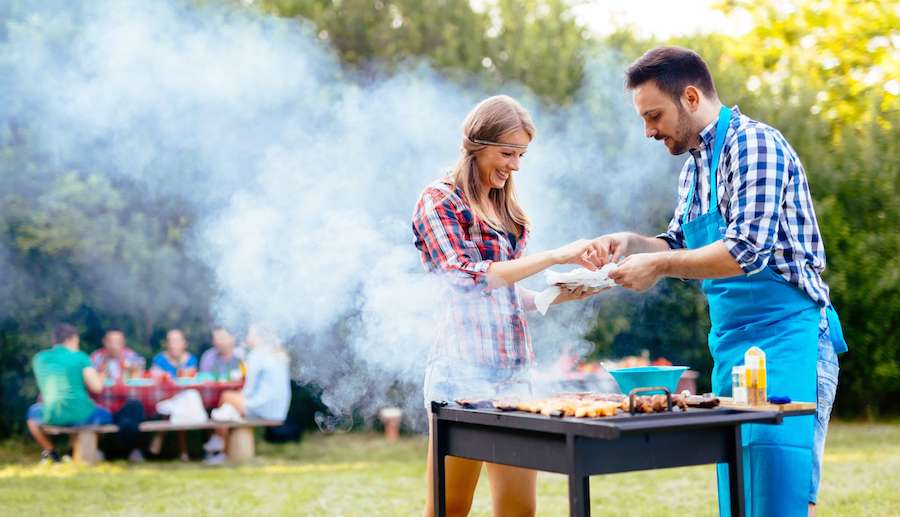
(764, 198)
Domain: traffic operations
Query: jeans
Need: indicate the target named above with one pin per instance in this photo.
(826, 386)
(100, 416)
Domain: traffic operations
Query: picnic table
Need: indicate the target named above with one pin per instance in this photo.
(149, 391)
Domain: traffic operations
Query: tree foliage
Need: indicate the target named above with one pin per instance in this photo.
(535, 42)
(825, 75)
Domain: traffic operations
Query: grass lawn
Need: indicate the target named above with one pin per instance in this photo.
(360, 474)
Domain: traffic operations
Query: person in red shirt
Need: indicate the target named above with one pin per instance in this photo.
(471, 232)
(115, 360)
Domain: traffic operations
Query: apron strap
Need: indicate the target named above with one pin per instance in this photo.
(721, 130)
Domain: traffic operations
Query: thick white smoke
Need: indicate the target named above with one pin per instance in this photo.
(304, 180)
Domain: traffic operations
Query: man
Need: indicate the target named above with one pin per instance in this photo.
(64, 376)
(114, 360)
(755, 243)
(221, 360)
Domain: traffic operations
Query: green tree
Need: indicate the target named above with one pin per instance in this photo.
(825, 76)
(848, 51)
(537, 42)
(75, 247)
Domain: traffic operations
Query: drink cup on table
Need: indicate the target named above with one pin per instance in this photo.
(755, 376)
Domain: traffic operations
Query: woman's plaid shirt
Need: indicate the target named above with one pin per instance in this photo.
(480, 326)
(764, 198)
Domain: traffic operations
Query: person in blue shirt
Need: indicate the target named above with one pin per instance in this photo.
(175, 360)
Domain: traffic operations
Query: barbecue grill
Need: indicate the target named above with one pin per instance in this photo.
(582, 447)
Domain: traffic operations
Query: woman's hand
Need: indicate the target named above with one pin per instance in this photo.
(580, 293)
(583, 252)
(613, 246)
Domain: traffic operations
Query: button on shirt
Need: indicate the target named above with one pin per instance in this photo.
(764, 199)
(481, 326)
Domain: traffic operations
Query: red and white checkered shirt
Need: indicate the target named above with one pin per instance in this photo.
(480, 326)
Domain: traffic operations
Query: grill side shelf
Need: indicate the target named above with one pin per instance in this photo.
(719, 418)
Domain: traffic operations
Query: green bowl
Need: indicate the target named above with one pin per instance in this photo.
(647, 377)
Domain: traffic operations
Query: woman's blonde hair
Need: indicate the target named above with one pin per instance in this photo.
(487, 122)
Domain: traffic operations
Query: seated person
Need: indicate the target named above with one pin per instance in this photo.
(115, 360)
(64, 376)
(221, 361)
(175, 358)
(176, 361)
(266, 394)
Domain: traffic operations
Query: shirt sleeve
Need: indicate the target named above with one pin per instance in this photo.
(674, 236)
(206, 361)
(159, 362)
(84, 360)
(439, 228)
(758, 175)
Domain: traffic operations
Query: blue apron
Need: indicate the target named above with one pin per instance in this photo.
(765, 310)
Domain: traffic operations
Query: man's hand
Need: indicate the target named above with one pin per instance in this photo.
(639, 272)
(612, 246)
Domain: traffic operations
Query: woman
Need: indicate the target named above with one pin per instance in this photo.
(471, 230)
(175, 359)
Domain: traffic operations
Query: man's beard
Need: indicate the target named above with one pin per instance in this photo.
(681, 141)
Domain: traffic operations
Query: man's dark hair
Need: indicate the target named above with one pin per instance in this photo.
(672, 69)
(63, 332)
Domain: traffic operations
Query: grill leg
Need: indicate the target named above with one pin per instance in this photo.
(736, 476)
(579, 489)
(579, 496)
(438, 452)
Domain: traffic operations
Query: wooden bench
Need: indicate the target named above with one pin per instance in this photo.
(84, 439)
(240, 446)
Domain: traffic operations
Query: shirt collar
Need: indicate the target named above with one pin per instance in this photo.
(708, 134)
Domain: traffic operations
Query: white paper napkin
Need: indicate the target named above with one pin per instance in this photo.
(577, 278)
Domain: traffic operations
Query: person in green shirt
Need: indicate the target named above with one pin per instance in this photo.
(64, 376)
